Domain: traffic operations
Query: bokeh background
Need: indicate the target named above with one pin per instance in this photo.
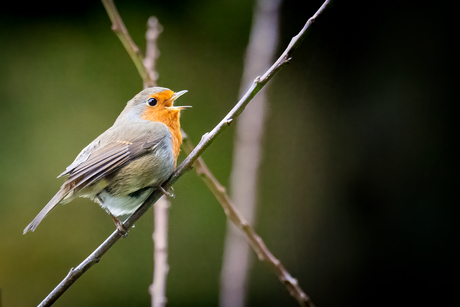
(359, 182)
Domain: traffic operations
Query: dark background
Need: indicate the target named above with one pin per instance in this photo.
(359, 183)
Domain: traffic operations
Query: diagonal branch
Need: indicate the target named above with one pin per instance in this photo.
(256, 242)
(186, 165)
(256, 86)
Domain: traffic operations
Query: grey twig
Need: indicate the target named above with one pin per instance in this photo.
(186, 166)
(256, 86)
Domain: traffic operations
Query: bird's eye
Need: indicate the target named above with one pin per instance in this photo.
(152, 102)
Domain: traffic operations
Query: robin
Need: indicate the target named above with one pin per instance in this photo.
(126, 163)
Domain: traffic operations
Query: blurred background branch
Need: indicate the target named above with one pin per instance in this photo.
(160, 254)
(247, 153)
(154, 29)
(160, 211)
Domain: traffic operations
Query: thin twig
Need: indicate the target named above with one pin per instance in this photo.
(256, 86)
(134, 52)
(186, 166)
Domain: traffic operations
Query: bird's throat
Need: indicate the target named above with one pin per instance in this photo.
(171, 119)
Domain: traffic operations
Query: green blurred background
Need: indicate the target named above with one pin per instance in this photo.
(358, 182)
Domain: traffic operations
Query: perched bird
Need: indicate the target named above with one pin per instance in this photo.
(126, 163)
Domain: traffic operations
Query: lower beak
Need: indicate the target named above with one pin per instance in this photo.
(180, 107)
(174, 97)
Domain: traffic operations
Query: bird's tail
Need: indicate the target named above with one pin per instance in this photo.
(49, 206)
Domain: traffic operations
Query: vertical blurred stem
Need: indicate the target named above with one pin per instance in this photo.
(247, 153)
(154, 29)
(160, 253)
(160, 211)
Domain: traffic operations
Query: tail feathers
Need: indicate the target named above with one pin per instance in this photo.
(49, 206)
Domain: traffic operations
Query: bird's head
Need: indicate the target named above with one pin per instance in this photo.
(154, 104)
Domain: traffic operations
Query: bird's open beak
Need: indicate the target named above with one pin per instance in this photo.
(174, 97)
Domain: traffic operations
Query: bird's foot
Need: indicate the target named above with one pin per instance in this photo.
(167, 193)
(120, 227)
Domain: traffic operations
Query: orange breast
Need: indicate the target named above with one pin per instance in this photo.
(171, 119)
(176, 142)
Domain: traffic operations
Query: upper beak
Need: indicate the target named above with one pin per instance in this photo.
(174, 97)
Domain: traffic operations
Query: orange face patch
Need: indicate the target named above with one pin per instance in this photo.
(163, 98)
(153, 113)
(169, 117)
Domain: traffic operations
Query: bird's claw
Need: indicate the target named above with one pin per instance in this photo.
(119, 224)
(167, 193)
(121, 229)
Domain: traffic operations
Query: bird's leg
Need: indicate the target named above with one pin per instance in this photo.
(119, 224)
(167, 193)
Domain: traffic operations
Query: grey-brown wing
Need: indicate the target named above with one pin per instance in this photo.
(106, 160)
(82, 156)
